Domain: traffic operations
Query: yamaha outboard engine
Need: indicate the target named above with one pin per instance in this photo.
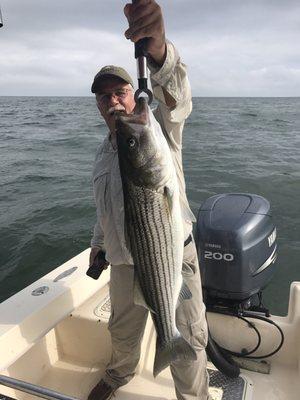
(236, 241)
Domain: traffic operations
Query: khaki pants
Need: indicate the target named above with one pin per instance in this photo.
(128, 321)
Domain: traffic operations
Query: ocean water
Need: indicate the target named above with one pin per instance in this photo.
(47, 148)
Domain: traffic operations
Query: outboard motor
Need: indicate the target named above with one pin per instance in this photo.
(236, 242)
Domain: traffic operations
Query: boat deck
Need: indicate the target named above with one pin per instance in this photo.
(142, 387)
(69, 347)
(78, 367)
(76, 379)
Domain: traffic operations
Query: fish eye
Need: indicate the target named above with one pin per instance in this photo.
(131, 142)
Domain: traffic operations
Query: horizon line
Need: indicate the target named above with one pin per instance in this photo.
(212, 97)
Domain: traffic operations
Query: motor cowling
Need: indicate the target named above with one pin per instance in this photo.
(236, 243)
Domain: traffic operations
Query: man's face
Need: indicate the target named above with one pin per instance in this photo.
(114, 94)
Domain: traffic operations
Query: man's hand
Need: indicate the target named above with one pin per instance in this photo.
(97, 263)
(145, 20)
(93, 254)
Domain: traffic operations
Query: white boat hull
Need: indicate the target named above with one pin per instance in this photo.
(60, 340)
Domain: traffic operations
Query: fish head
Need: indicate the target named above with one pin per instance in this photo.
(141, 155)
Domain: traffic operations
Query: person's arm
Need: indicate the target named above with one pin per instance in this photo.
(172, 89)
(97, 262)
(145, 20)
(97, 242)
(168, 74)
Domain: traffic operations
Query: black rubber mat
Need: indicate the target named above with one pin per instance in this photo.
(233, 389)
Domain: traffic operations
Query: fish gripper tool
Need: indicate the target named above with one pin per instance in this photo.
(140, 50)
(141, 60)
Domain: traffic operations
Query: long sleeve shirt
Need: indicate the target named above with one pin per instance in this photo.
(109, 234)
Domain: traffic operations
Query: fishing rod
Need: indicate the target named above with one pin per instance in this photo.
(1, 19)
(140, 53)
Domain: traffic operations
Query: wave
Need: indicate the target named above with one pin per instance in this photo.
(281, 121)
(249, 114)
(51, 115)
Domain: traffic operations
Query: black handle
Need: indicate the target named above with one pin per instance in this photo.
(140, 48)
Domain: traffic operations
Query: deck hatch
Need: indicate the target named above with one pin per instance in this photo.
(103, 309)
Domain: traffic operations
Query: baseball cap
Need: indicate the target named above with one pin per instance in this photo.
(110, 70)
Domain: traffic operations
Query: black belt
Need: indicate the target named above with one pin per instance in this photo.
(188, 240)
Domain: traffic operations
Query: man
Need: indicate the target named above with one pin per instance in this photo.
(113, 88)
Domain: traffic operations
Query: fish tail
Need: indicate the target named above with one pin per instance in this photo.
(177, 349)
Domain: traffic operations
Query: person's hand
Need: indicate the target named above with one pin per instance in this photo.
(93, 255)
(145, 20)
(97, 263)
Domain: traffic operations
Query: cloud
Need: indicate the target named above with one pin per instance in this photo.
(232, 48)
(228, 65)
(57, 64)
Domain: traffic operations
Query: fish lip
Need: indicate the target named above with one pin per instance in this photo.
(140, 114)
(136, 119)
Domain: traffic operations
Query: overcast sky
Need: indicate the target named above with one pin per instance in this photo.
(231, 47)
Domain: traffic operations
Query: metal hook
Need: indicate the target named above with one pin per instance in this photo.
(147, 91)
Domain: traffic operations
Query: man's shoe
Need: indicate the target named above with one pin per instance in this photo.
(102, 391)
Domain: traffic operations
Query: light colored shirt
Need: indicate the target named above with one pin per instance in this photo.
(109, 229)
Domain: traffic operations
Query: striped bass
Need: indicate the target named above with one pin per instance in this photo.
(153, 226)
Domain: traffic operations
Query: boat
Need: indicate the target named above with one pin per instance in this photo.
(54, 343)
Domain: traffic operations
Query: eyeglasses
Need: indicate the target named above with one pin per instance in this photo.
(120, 93)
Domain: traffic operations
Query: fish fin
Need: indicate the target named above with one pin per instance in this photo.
(138, 297)
(186, 212)
(185, 293)
(169, 194)
(177, 349)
